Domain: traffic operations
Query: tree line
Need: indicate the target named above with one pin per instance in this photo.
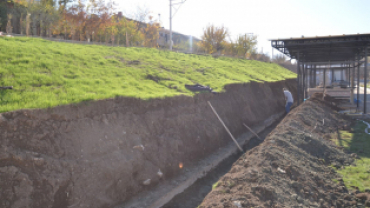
(99, 21)
(81, 20)
(216, 40)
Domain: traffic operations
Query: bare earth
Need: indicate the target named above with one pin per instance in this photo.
(291, 168)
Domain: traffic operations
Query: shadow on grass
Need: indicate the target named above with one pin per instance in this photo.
(356, 141)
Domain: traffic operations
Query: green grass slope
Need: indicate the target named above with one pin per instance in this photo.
(46, 74)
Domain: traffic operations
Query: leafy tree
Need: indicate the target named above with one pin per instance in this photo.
(245, 44)
(213, 39)
(9, 27)
(63, 4)
(3, 15)
(131, 34)
(79, 20)
(151, 33)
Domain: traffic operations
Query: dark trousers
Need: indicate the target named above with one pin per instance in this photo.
(287, 106)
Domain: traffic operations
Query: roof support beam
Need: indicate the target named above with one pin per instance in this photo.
(358, 81)
(365, 83)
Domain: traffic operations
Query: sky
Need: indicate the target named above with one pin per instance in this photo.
(268, 19)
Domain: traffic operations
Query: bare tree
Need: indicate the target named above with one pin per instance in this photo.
(142, 14)
(28, 24)
(280, 58)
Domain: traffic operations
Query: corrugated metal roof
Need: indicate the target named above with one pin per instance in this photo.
(317, 37)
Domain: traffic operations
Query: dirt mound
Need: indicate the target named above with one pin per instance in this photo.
(327, 99)
(99, 154)
(292, 167)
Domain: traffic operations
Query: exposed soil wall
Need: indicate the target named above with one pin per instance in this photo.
(83, 156)
(291, 168)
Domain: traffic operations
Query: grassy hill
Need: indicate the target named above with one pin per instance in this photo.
(46, 74)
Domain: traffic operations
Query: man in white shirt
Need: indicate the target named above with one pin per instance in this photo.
(289, 100)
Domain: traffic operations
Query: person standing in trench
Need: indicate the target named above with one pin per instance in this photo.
(289, 100)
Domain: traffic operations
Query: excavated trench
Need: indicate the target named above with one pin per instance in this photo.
(201, 173)
(194, 195)
(107, 153)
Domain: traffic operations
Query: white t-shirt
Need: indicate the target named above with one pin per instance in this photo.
(288, 96)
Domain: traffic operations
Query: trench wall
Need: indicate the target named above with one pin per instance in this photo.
(82, 155)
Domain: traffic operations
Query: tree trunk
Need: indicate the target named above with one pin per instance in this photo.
(87, 34)
(34, 25)
(28, 24)
(112, 38)
(72, 33)
(9, 27)
(40, 25)
(49, 32)
(21, 24)
(127, 40)
(81, 34)
(106, 38)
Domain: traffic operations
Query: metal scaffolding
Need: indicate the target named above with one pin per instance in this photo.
(341, 53)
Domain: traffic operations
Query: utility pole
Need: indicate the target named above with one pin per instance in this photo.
(177, 2)
(170, 25)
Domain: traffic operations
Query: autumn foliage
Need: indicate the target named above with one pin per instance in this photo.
(80, 20)
(215, 41)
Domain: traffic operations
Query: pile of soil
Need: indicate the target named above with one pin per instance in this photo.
(327, 99)
(292, 167)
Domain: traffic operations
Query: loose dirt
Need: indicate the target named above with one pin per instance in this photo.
(292, 167)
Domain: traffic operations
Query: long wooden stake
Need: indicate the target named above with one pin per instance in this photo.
(252, 131)
(232, 137)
